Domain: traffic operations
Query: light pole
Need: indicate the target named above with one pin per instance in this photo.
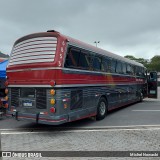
(96, 42)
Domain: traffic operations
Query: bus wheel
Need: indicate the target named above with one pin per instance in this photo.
(141, 97)
(101, 109)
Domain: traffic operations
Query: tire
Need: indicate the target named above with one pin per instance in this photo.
(141, 97)
(101, 109)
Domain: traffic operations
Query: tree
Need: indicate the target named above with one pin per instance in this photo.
(130, 57)
(155, 63)
(140, 60)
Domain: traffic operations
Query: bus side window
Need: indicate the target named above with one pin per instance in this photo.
(84, 60)
(113, 66)
(153, 76)
(143, 72)
(139, 71)
(132, 70)
(97, 63)
(128, 69)
(72, 58)
(124, 68)
(119, 67)
(106, 64)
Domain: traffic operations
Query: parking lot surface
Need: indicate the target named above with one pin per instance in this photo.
(132, 128)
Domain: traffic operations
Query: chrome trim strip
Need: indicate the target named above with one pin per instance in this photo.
(42, 86)
(72, 85)
(75, 70)
(92, 85)
(34, 69)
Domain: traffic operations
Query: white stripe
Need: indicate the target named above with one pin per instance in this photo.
(93, 128)
(78, 131)
(37, 39)
(35, 69)
(146, 110)
(35, 57)
(33, 50)
(33, 61)
(44, 86)
(33, 54)
(35, 44)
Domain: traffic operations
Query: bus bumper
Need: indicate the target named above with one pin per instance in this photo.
(38, 118)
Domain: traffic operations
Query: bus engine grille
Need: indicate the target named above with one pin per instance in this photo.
(15, 97)
(41, 100)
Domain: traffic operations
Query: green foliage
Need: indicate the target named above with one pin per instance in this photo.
(155, 63)
(152, 65)
(140, 60)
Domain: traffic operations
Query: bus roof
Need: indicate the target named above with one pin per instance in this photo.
(86, 46)
(82, 45)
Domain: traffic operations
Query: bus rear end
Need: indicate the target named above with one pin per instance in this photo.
(31, 76)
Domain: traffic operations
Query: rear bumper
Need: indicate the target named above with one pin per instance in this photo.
(38, 118)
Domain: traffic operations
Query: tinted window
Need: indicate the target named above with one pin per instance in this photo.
(124, 68)
(119, 67)
(72, 58)
(130, 69)
(97, 63)
(84, 60)
(113, 66)
(106, 64)
(140, 71)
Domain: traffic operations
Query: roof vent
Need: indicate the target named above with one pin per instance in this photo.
(52, 31)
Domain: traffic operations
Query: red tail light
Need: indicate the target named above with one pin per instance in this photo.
(6, 105)
(52, 83)
(52, 110)
(6, 83)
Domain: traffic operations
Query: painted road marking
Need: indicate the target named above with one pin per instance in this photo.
(81, 131)
(146, 110)
(81, 128)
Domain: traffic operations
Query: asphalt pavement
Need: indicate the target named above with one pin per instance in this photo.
(131, 129)
(146, 113)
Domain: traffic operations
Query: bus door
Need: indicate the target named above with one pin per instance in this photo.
(152, 85)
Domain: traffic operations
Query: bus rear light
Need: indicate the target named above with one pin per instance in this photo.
(52, 83)
(52, 110)
(45, 113)
(6, 91)
(52, 92)
(53, 101)
(6, 105)
(6, 98)
(65, 106)
(6, 83)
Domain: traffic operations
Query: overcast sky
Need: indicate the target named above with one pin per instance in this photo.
(124, 27)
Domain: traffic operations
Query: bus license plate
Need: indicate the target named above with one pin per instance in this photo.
(152, 92)
(27, 104)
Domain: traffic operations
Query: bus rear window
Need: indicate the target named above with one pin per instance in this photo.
(34, 50)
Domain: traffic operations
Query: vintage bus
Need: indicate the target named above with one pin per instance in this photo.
(53, 79)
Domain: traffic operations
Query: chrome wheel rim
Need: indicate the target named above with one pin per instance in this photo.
(102, 108)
